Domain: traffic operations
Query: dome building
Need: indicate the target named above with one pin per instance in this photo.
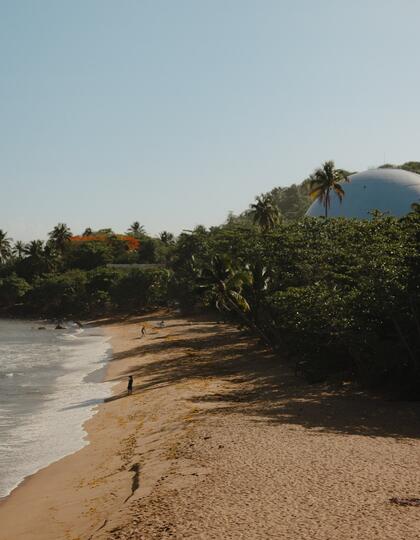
(391, 191)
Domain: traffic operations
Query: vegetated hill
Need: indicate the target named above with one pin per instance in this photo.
(294, 200)
(413, 166)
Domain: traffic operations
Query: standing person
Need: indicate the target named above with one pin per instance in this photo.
(130, 385)
(143, 331)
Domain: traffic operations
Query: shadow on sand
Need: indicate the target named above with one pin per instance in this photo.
(263, 386)
(259, 383)
(95, 401)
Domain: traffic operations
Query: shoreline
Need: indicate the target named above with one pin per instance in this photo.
(221, 440)
(97, 375)
(25, 492)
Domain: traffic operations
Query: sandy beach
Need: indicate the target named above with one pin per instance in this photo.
(221, 441)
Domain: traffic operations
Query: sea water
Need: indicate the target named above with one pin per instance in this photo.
(50, 383)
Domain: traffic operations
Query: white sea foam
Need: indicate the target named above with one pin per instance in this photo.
(42, 410)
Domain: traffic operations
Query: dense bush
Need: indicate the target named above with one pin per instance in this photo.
(88, 255)
(342, 295)
(59, 295)
(138, 289)
(12, 291)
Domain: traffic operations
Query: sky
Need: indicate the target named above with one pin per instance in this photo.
(175, 112)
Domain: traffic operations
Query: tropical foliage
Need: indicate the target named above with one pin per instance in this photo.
(69, 275)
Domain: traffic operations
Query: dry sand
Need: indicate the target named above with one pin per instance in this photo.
(220, 441)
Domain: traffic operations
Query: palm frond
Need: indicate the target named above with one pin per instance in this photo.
(240, 301)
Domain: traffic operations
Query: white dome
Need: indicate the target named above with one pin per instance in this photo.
(388, 190)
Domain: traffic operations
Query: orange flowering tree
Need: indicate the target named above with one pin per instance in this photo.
(130, 242)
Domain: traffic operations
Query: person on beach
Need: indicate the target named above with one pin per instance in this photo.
(130, 385)
(143, 331)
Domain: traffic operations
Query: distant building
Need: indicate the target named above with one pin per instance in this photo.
(391, 191)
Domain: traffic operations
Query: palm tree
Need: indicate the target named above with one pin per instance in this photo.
(136, 229)
(223, 285)
(60, 235)
(35, 249)
(325, 180)
(87, 232)
(265, 213)
(19, 249)
(41, 258)
(166, 237)
(5, 246)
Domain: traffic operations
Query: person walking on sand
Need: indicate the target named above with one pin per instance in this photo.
(130, 385)
(143, 331)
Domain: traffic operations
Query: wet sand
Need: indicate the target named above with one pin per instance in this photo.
(220, 441)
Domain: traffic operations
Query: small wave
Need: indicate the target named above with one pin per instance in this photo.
(69, 337)
(72, 334)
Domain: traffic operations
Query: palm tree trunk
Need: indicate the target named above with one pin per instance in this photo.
(327, 202)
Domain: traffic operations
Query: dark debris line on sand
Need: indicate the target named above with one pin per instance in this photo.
(405, 502)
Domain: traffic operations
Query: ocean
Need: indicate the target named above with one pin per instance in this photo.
(50, 383)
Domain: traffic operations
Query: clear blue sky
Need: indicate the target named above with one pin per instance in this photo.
(173, 112)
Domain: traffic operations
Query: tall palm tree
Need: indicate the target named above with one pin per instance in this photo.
(265, 213)
(19, 249)
(136, 229)
(5, 246)
(324, 181)
(60, 236)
